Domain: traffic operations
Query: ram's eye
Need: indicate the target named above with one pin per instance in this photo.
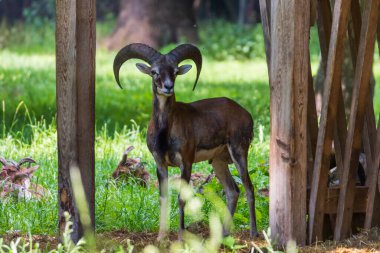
(176, 70)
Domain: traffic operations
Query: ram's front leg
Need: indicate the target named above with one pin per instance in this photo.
(162, 175)
(185, 179)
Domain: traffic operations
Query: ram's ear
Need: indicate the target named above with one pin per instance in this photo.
(143, 68)
(184, 69)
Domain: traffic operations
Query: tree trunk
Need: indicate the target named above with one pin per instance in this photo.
(154, 22)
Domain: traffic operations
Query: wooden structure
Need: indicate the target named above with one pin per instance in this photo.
(300, 147)
(75, 53)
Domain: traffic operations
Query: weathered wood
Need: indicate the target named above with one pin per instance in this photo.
(329, 110)
(377, 152)
(373, 209)
(66, 109)
(85, 80)
(324, 21)
(313, 12)
(265, 23)
(312, 126)
(288, 150)
(353, 144)
(75, 64)
(372, 217)
(340, 122)
(332, 198)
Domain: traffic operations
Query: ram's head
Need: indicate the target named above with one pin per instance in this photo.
(163, 68)
(16, 178)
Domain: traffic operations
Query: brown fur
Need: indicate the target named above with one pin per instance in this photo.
(179, 134)
(16, 179)
(131, 168)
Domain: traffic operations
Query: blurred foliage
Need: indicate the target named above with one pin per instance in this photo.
(221, 40)
(36, 12)
(39, 12)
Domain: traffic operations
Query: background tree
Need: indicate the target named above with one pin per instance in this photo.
(154, 22)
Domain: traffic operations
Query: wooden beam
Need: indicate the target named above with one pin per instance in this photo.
(372, 217)
(289, 91)
(312, 126)
(373, 209)
(331, 204)
(353, 144)
(66, 109)
(373, 206)
(329, 109)
(313, 12)
(85, 79)
(265, 23)
(75, 77)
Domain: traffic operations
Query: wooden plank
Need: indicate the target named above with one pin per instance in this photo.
(332, 198)
(85, 79)
(265, 22)
(289, 92)
(372, 212)
(329, 109)
(66, 110)
(313, 12)
(353, 144)
(312, 126)
(340, 122)
(378, 35)
(377, 152)
(372, 217)
(324, 21)
(75, 51)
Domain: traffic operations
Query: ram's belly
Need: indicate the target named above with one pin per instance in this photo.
(220, 152)
(209, 154)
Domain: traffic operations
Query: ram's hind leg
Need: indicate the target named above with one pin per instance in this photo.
(231, 189)
(239, 154)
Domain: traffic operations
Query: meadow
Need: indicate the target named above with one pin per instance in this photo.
(28, 111)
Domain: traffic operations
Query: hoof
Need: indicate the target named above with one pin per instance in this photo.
(254, 234)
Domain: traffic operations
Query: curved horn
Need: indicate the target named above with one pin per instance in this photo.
(3, 161)
(135, 50)
(188, 51)
(125, 155)
(25, 160)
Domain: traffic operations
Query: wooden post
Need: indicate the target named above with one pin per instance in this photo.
(75, 72)
(289, 75)
(328, 115)
(356, 123)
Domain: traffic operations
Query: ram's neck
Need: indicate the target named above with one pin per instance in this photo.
(162, 110)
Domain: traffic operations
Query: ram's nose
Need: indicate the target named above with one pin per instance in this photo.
(168, 87)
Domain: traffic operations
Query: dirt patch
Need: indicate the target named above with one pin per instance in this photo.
(366, 241)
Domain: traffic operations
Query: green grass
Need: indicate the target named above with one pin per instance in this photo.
(27, 83)
(118, 205)
(27, 127)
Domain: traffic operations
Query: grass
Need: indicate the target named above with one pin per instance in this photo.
(27, 82)
(118, 205)
(27, 128)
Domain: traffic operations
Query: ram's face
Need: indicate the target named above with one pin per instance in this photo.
(163, 75)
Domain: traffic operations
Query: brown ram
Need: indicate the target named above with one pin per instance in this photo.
(179, 134)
